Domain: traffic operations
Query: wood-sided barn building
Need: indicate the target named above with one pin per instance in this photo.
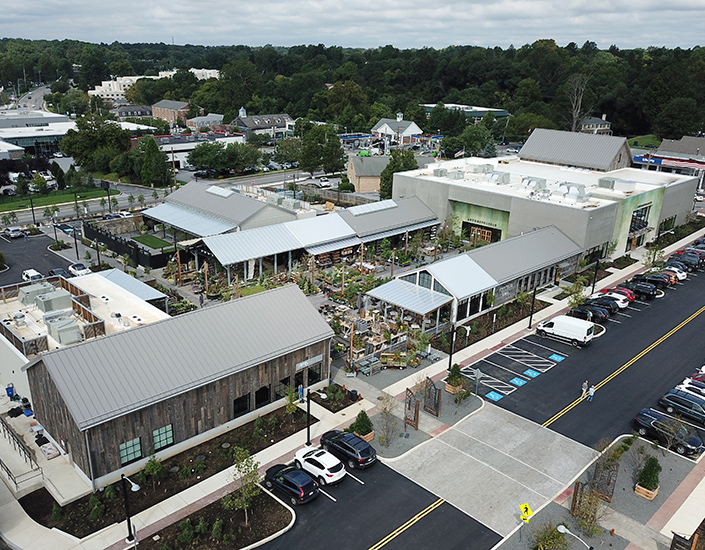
(158, 389)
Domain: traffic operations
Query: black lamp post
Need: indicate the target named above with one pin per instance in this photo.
(594, 277)
(533, 302)
(452, 345)
(308, 417)
(130, 533)
(31, 204)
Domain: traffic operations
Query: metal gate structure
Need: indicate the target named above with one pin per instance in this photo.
(432, 397)
(411, 410)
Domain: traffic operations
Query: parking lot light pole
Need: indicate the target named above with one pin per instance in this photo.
(594, 277)
(563, 529)
(130, 533)
(308, 417)
(31, 204)
(533, 302)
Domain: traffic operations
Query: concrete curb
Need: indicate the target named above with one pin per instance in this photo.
(278, 533)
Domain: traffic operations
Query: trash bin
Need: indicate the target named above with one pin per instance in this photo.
(353, 395)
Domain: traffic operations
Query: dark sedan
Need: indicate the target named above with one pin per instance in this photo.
(296, 485)
(643, 290)
(669, 431)
(349, 448)
(590, 313)
(604, 303)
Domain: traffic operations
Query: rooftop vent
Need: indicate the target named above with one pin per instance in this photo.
(439, 172)
(606, 183)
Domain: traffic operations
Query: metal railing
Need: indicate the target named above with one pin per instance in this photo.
(24, 452)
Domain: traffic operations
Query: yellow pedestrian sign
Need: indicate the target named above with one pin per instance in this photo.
(526, 513)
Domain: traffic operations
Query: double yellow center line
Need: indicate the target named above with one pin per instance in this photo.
(626, 365)
(423, 513)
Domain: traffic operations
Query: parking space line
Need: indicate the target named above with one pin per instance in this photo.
(494, 365)
(399, 530)
(546, 347)
(640, 302)
(355, 478)
(539, 364)
(613, 321)
(622, 314)
(626, 365)
(495, 384)
(678, 418)
(634, 308)
(329, 496)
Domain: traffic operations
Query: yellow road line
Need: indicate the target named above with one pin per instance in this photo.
(626, 365)
(399, 530)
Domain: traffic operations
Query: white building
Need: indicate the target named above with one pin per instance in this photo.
(115, 89)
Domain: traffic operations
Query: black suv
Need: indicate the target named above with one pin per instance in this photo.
(294, 484)
(605, 303)
(349, 448)
(669, 431)
(659, 280)
(590, 313)
(643, 290)
(677, 401)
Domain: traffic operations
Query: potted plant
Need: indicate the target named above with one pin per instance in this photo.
(454, 382)
(362, 427)
(647, 483)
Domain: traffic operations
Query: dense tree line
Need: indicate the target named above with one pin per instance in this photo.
(640, 90)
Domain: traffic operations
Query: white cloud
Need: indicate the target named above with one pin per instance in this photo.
(366, 23)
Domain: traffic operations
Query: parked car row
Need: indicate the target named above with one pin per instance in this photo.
(314, 467)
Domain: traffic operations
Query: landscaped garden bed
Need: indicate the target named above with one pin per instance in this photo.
(94, 512)
(336, 398)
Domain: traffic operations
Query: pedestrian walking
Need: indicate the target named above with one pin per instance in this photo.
(585, 390)
(200, 299)
(301, 393)
(26, 236)
(591, 393)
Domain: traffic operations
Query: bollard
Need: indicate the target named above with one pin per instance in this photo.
(612, 533)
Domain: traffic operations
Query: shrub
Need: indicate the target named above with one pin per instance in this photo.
(648, 476)
(57, 512)
(200, 466)
(187, 534)
(202, 526)
(185, 472)
(97, 511)
(217, 531)
(547, 537)
(110, 493)
(362, 424)
(454, 377)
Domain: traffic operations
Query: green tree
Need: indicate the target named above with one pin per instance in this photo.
(401, 161)
(239, 156)
(245, 477)
(312, 150)
(95, 137)
(207, 156)
(155, 170)
(288, 150)
(38, 184)
(333, 159)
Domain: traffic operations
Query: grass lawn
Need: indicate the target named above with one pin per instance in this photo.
(644, 141)
(154, 242)
(63, 197)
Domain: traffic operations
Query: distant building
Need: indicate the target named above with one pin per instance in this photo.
(205, 121)
(171, 111)
(365, 172)
(10, 151)
(470, 112)
(398, 130)
(594, 125)
(278, 126)
(682, 156)
(115, 89)
(132, 111)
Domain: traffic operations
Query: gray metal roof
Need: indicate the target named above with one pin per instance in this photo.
(232, 248)
(219, 202)
(515, 257)
(187, 220)
(591, 151)
(461, 276)
(399, 231)
(410, 297)
(132, 285)
(374, 218)
(397, 126)
(369, 166)
(335, 245)
(319, 230)
(107, 377)
(170, 104)
(687, 145)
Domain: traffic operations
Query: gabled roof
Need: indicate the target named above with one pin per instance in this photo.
(592, 151)
(687, 145)
(388, 215)
(410, 297)
(203, 209)
(170, 104)
(517, 256)
(132, 285)
(106, 378)
(395, 126)
(369, 167)
(263, 121)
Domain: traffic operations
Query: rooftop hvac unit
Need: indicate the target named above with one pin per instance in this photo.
(502, 178)
(533, 184)
(439, 172)
(52, 301)
(456, 174)
(606, 183)
(28, 293)
(625, 186)
(64, 330)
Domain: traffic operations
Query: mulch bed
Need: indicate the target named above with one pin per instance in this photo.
(182, 471)
(333, 405)
(266, 517)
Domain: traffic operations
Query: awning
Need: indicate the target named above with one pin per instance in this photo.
(335, 245)
(410, 297)
(188, 220)
(399, 231)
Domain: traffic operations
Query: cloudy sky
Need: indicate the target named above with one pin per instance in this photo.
(362, 23)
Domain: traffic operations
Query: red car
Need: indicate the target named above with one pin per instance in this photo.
(698, 377)
(625, 291)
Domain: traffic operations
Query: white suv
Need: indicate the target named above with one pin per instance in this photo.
(31, 275)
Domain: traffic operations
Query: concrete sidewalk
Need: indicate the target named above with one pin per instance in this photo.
(20, 532)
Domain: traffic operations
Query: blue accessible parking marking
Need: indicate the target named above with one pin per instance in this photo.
(531, 373)
(517, 381)
(494, 396)
(557, 358)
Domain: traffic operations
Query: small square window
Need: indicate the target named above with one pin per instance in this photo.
(130, 451)
(163, 437)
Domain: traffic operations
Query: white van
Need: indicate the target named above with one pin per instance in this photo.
(568, 329)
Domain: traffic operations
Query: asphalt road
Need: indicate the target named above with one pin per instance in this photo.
(387, 511)
(20, 255)
(649, 366)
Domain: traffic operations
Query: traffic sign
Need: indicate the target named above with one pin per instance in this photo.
(524, 518)
(525, 510)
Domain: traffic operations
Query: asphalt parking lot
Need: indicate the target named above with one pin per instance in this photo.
(388, 511)
(34, 253)
(643, 354)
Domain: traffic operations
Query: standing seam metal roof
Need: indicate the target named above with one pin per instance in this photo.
(593, 151)
(106, 378)
(410, 296)
(402, 213)
(187, 220)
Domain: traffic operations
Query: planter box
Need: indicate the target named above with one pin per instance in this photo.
(645, 493)
(368, 438)
(453, 389)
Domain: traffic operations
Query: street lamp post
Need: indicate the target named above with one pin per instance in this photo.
(308, 417)
(31, 204)
(130, 533)
(563, 529)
